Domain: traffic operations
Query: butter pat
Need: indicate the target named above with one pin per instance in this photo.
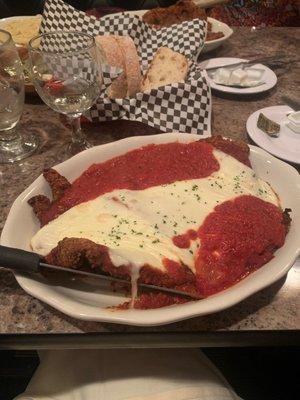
(237, 77)
(222, 75)
(294, 121)
(254, 73)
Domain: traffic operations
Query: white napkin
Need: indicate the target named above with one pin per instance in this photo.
(143, 374)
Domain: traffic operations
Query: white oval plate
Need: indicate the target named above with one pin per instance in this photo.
(287, 145)
(217, 26)
(89, 302)
(269, 76)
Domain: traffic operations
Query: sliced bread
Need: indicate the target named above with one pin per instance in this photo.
(120, 51)
(111, 54)
(132, 64)
(166, 67)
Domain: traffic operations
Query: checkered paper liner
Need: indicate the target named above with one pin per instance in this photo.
(183, 107)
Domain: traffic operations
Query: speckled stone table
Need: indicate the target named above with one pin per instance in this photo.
(271, 316)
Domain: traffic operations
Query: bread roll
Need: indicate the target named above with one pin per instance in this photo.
(166, 67)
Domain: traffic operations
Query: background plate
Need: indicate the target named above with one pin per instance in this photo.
(287, 145)
(269, 77)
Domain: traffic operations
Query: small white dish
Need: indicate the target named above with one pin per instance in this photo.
(287, 145)
(269, 77)
(87, 302)
(217, 26)
(294, 121)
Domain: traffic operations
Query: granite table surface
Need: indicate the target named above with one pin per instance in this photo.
(276, 308)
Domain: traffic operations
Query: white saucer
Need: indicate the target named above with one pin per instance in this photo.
(287, 145)
(269, 76)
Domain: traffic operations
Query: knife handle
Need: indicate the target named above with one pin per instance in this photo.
(19, 260)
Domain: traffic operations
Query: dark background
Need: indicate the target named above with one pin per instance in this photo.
(24, 7)
(256, 373)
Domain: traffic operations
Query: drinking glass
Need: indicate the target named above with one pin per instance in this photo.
(13, 145)
(66, 72)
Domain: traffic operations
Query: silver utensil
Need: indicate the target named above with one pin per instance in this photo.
(236, 64)
(271, 62)
(28, 262)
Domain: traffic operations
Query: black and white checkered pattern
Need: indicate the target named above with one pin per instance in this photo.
(67, 67)
(184, 107)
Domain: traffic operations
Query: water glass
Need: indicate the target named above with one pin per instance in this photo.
(13, 145)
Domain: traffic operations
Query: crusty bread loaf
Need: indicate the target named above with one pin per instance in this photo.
(111, 54)
(132, 64)
(120, 51)
(166, 67)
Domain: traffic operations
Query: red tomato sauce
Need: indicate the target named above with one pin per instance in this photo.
(231, 148)
(139, 169)
(184, 241)
(238, 237)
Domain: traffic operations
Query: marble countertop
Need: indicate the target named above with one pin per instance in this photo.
(275, 308)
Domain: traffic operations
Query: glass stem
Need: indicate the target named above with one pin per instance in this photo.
(77, 135)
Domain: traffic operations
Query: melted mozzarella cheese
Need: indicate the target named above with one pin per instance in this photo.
(137, 226)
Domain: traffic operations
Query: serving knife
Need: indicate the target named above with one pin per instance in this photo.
(31, 263)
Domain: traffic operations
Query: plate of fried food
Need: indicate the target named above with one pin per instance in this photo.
(214, 218)
(22, 29)
(186, 10)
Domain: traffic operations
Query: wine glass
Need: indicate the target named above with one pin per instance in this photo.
(66, 71)
(13, 145)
